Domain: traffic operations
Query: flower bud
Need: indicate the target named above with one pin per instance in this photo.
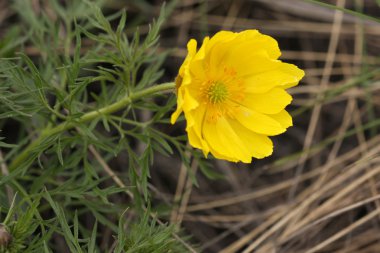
(5, 237)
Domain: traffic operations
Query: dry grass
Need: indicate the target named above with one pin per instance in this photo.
(319, 193)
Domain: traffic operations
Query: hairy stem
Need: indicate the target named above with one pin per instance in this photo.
(109, 109)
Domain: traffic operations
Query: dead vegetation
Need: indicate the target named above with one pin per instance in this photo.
(320, 190)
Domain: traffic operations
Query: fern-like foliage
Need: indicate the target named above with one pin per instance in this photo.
(74, 84)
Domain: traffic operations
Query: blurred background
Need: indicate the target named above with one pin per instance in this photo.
(319, 191)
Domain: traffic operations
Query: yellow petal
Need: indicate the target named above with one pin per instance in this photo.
(197, 71)
(196, 142)
(282, 74)
(191, 51)
(215, 62)
(194, 126)
(185, 102)
(185, 79)
(258, 122)
(189, 103)
(224, 157)
(271, 102)
(175, 115)
(218, 39)
(241, 50)
(259, 145)
(222, 139)
(250, 63)
(283, 118)
(218, 46)
(192, 47)
(178, 111)
(202, 51)
(294, 71)
(253, 40)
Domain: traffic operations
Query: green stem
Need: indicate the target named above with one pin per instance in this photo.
(348, 11)
(122, 103)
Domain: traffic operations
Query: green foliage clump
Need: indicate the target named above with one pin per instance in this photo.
(146, 236)
(72, 89)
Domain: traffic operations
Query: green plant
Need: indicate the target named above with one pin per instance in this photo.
(75, 95)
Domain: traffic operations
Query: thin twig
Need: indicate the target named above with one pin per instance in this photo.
(187, 193)
(180, 186)
(5, 172)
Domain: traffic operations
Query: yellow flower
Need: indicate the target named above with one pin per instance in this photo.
(232, 93)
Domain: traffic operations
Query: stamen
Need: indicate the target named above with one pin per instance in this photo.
(217, 92)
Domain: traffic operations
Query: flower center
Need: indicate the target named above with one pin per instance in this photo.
(217, 92)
